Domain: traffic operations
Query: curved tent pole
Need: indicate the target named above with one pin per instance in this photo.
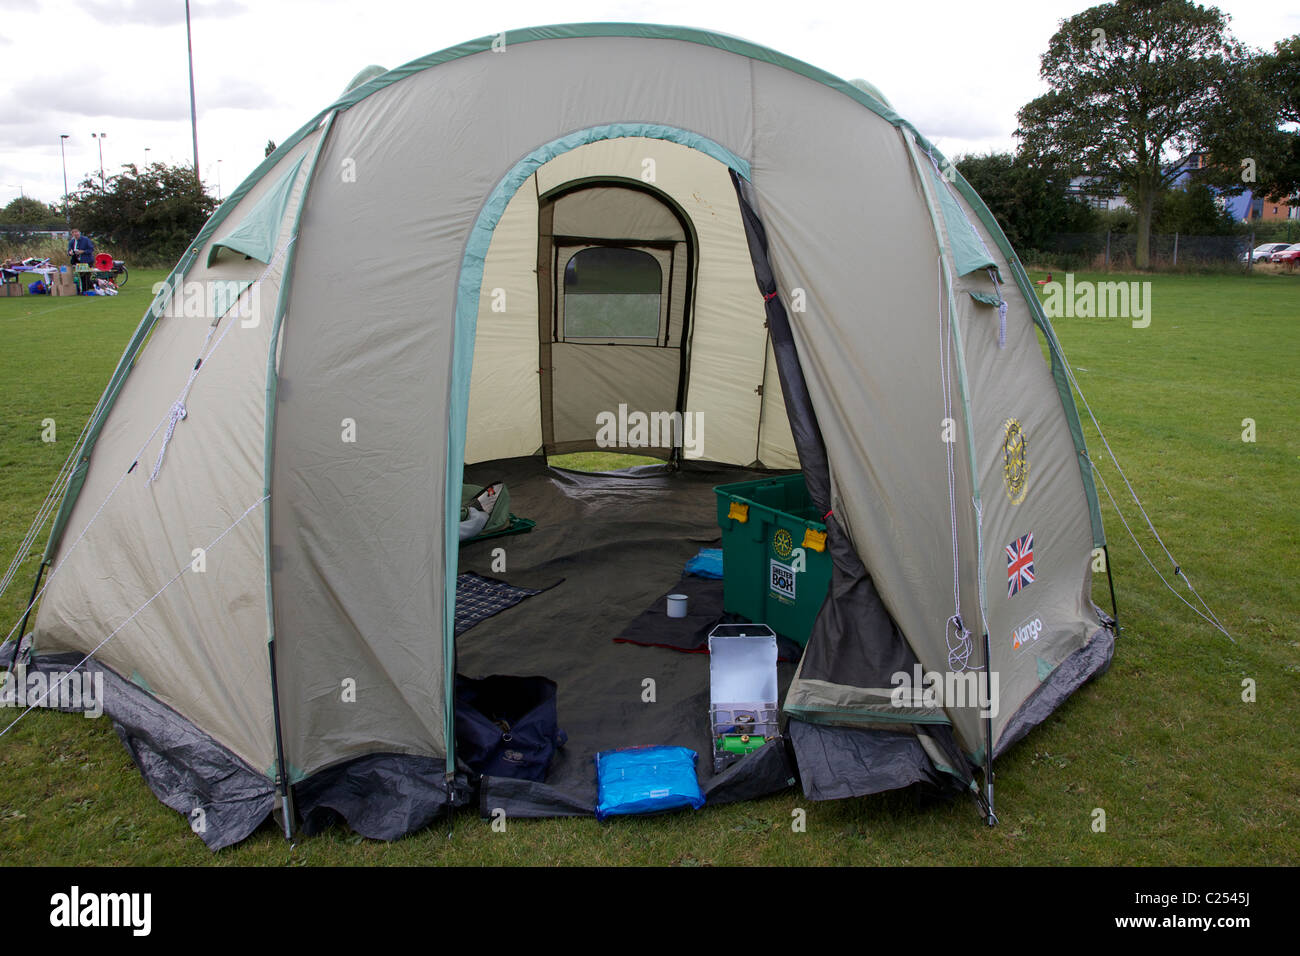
(282, 773)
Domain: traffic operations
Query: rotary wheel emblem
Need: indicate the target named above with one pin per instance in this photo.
(1015, 460)
(782, 543)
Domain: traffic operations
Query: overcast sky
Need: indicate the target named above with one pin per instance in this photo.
(958, 69)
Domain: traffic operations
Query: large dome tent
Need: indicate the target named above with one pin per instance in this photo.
(451, 273)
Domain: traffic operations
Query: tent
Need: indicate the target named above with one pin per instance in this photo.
(454, 271)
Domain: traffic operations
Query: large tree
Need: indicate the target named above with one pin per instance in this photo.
(1134, 86)
(26, 211)
(1192, 210)
(150, 214)
(1283, 68)
(1253, 138)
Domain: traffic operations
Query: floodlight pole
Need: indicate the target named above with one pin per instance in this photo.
(99, 137)
(67, 213)
(194, 117)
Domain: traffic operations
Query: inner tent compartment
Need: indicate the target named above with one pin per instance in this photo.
(619, 274)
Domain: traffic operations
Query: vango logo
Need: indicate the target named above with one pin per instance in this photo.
(1026, 633)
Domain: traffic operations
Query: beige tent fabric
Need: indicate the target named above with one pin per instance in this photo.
(907, 509)
(604, 374)
(776, 443)
(728, 341)
(868, 340)
(200, 645)
(505, 409)
(1011, 387)
(359, 470)
(615, 213)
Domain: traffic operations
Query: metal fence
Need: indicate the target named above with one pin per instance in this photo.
(23, 233)
(1117, 250)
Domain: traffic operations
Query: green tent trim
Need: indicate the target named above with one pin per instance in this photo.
(256, 234)
(969, 254)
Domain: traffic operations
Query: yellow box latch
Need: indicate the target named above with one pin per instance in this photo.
(814, 539)
(738, 512)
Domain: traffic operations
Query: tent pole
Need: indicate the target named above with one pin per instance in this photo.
(31, 603)
(449, 711)
(282, 771)
(992, 818)
(449, 775)
(1110, 579)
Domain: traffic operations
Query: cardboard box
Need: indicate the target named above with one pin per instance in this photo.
(13, 290)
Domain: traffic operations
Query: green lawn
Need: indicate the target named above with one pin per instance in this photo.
(600, 461)
(1185, 770)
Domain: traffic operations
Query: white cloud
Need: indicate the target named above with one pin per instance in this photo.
(156, 12)
(958, 70)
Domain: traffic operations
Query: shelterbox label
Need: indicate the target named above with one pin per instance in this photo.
(782, 580)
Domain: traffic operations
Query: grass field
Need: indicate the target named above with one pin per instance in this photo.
(1185, 770)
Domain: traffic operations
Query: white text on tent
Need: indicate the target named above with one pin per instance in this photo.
(211, 300)
(651, 430)
(947, 690)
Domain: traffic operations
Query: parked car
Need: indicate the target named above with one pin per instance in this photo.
(1289, 255)
(1261, 253)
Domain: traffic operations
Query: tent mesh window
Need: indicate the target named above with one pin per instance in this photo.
(612, 292)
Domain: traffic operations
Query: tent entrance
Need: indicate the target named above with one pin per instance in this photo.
(606, 548)
(615, 274)
(645, 307)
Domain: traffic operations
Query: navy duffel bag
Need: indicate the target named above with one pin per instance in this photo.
(507, 726)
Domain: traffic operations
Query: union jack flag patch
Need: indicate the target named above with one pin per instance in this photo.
(1020, 564)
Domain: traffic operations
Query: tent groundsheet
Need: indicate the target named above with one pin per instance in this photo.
(619, 541)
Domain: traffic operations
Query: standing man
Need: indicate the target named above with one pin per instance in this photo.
(81, 250)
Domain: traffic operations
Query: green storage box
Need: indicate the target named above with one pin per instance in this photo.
(764, 524)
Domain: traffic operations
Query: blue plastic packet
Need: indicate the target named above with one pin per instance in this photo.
(706, 564)
(646, 780)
